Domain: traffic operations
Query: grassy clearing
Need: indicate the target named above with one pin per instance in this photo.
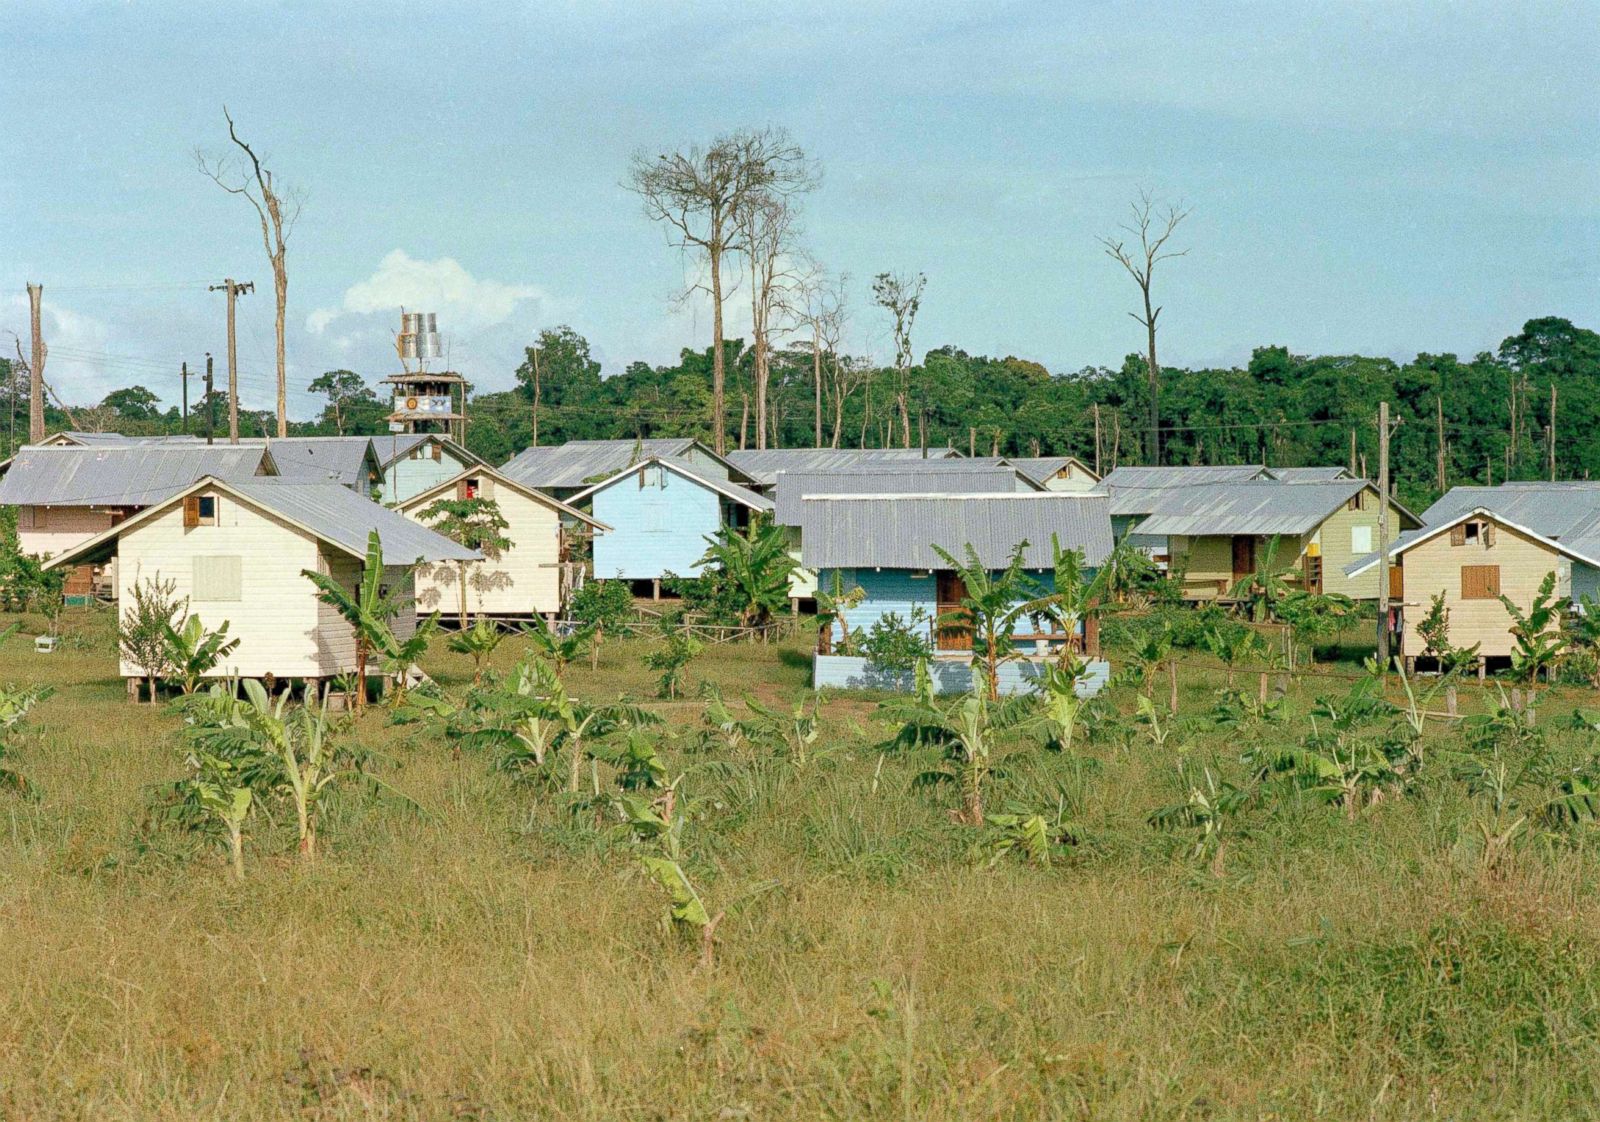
(498, 957)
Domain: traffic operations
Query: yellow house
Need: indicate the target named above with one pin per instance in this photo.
(531, 577)
(1471, 561)
(1216, 533)
(234, 553)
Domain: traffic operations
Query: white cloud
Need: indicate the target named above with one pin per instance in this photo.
(463, 302)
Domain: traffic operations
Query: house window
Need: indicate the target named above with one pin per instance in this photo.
(1472, 533)
(218, 578)
(199, 510)
(1361, 540)
(467, 489)
(1480, 582)
(1358, 501)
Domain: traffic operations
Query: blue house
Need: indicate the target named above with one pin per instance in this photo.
(661, 512)
(410, 463)
(884, 545)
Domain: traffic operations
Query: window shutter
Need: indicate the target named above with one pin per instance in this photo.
(461, 490)
(1488, 533)
(438, 452)
(191, 511)
(1480, 582)
(1458, 534)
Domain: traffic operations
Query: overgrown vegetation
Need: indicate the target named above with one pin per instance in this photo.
(813, 866)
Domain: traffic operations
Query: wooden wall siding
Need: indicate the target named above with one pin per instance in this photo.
(802, 581)
(406, 478)
(1436, 566)
(1335, 535)
(897, 591)
(276, 621)
(1207, 562)
(1585, 582)
(524, 580)
(949, 676)
(50, 530)
(706, 465)
(657, 529)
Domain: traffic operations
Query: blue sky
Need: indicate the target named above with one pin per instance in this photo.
(1379, 178)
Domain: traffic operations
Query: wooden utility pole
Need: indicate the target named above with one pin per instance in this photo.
(183, 372)
(233, 288)
(1552, 430)
(211, 403)
(1438, 401)
(36, 366)
(1352, 451)
(1383, 535)
(1097, 470)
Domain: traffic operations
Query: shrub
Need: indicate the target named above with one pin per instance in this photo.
(896, 644)
(607, 604)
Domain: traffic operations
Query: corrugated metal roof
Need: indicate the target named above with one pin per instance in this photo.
(900, 531)
(343, 459)
(334, 512)
(122, 475)
(391, 446)
(1310, 474)
(92, 439)
(579, 463)
(1045, 467)
(933, 477)
(1556, 510)
(1254, 507)
(764, 464)
(734, 491)
(1135, 490)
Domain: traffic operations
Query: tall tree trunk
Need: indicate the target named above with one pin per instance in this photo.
(1155, 383)
(280, 285)
(816, 382)
(718, 422)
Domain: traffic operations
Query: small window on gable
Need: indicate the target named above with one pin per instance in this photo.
(199, 510)
(1358, 501)
(467, 489)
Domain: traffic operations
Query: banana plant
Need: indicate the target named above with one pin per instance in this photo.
(968, 728)
(578, 722)
(797, 730)
(1540, 642)
(1030, 834)
(833, 606)
(516, 716)
(193, 652)
(370, 609)
(14, 706)
(1160, 729)
(400, 656)
(558, 649)
(660, 821)
(1211, 809)
(480, 642)
(226, 799)
(1061, 707)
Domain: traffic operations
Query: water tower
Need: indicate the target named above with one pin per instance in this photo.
(425, 401)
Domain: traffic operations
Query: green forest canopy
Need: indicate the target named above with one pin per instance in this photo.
(1281, 409)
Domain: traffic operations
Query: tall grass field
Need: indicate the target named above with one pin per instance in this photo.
(474, 943)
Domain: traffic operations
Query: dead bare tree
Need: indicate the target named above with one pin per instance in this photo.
(820, 311)
(769, 232)
(846, 376)
(901, 296)
(1153, 224)
(278, 209)
(698, 195)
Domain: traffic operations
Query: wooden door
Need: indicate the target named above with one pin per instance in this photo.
(1244, 557)
(950, 592)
